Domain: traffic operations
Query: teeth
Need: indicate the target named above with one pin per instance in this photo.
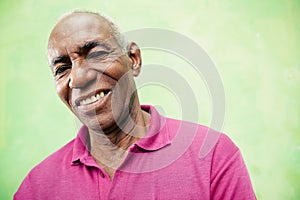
(92, 99)
(88, 100)
(102, 94)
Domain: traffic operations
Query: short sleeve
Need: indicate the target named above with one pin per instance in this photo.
(229, 176)
(24, 192)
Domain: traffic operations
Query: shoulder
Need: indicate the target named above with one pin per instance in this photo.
(228, 175)
(51, 164)
(45, 171)
(59, 157)
(206, 140)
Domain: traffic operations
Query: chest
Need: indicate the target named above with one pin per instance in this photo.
(173, 182)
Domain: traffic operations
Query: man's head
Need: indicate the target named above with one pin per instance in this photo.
(93, 74)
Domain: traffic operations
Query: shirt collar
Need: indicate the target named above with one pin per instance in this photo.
(156, 138)
(158, 135)
(80, 148)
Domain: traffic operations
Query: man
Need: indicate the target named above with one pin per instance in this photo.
(124, 150)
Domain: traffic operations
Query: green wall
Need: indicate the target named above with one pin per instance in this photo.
(254, 44)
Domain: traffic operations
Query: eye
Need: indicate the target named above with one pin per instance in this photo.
(62, 69)
(96, 55)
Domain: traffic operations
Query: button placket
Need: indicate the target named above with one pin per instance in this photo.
(104, 184)
(101, 174)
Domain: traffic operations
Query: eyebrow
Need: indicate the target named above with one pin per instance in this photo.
(85, 48)
(60, 59)
(91, 44)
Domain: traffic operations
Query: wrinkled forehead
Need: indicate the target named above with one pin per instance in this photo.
(76, 29)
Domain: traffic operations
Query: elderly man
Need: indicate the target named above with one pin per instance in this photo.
(124, 150)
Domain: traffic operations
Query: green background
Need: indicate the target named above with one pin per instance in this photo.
(254, 44)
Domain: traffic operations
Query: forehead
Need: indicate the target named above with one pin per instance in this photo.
(76, 29)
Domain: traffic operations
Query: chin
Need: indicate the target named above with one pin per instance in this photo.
(100, 122)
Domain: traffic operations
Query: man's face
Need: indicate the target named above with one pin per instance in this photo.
(87, 63)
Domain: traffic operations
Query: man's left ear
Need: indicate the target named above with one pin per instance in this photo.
(134, 55)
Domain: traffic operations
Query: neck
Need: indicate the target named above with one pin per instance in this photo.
(109, 149)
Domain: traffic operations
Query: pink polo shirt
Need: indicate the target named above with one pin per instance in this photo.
(176, 160)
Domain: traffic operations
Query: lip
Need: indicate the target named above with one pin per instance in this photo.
(93, 108)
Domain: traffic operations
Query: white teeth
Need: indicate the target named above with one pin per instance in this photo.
(92, 99)
(101, 94)
(88, 100)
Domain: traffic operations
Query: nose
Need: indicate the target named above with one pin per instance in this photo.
(81, 76)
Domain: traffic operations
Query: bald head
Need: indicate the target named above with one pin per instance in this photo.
(75, 20)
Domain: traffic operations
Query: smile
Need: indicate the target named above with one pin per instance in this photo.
(93, 98)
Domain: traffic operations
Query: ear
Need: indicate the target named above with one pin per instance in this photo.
(134, 55)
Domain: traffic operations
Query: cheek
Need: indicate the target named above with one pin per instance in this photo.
(118, 68)
(62, 90)
(124, 90)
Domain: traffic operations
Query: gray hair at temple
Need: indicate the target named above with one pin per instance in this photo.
(115, 30)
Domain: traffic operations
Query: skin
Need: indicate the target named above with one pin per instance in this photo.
(86, 59)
